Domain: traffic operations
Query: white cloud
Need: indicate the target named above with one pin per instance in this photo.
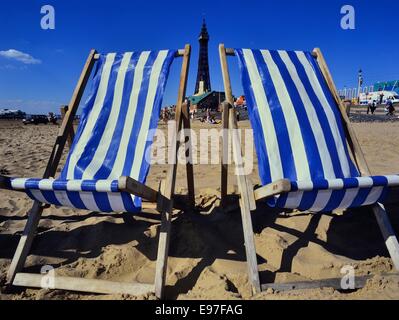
(19, 56)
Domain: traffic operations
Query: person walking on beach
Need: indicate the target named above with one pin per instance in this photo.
(390, 107)
(371, 106)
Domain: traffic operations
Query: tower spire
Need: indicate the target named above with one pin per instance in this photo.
(203, 83)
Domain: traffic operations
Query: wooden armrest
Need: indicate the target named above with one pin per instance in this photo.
(127, 184)
(273, 189)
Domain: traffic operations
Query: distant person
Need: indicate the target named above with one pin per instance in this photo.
(371, 106)
(389, 107)
(381, 97)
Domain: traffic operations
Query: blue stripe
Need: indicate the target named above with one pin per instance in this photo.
(128, 203)
(384, 194)
(107, 166)
(360, 197)
(156, 110)
(102, 201)
(88, 185)
(321, 114)
(87, 108)
(336, 198)
(259, 138)
(308, 200)
(60, 184)
(98, 130)
(114, 186)
(312, 151)
(139, 114)
(51, 198)
(74, 198)
(334, 108)
(284, 144)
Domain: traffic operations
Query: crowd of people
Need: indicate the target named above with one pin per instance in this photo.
(389, 107)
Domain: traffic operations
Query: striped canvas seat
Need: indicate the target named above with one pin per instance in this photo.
(299, 134)
(114, 134)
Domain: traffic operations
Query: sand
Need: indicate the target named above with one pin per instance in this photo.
(207, 256)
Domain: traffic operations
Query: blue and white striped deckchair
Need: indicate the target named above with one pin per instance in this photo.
(109, 158)
(301, 137)
(115, 131)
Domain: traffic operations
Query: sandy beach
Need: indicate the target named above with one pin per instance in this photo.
(207, 255)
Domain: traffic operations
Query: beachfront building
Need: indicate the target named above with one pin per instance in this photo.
(387, 86)
(11, 114)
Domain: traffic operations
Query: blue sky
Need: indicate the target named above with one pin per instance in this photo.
(44, 76)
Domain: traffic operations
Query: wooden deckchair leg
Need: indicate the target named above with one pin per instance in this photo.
(390, 238)
(247, 198)
(388, 233)
(243, 183)
(189, 165)
(225, 120)
(225, 153)
(25, 242)
(167, 190)
(162, 256)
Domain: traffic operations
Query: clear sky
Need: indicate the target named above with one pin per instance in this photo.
(41, 73)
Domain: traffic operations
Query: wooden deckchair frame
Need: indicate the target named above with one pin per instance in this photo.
(164, 199)
(249, 196)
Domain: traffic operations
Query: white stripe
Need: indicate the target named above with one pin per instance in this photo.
(305, 185)
(393, 180)
(107, 134)
(46, 185)
(88, 200)
(322, 198)
(103, 185)
(131, 113)
(329, 113)
(316, 126)
(269, 132)
(74, 185)
(18, 183)
(144, 128)
(336, 184)
(365, 182)
(348, 198)
(293, 200)
(92, 117)
(291, 119)
(37, 194)
(116, 202)
(62, 198)
(373, 196)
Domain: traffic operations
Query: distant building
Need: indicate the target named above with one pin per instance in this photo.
(387, 86)
(11, 114)
(210, 100)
